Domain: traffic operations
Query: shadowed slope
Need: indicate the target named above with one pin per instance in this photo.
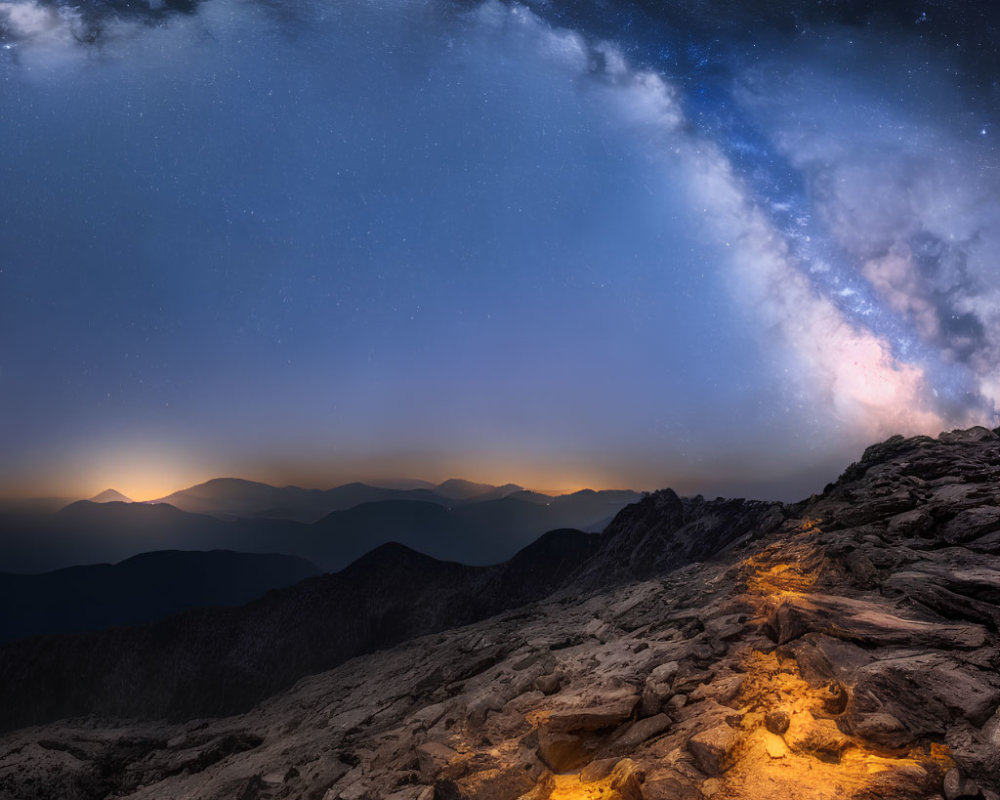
(139, 589)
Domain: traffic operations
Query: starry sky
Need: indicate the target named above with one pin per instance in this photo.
(719, 246)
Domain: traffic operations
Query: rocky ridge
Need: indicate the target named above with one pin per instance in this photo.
(222, 661)
(846, 649)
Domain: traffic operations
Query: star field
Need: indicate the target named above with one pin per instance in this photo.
(717, 246)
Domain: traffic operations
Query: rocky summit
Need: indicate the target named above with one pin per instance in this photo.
(842, 647)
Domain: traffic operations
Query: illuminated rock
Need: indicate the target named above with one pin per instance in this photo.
(598, 770)
(669, 788)
(816, 737)
(713, 749)
(776, 722)
(626, 779)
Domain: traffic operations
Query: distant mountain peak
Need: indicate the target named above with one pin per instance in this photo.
(111, 496)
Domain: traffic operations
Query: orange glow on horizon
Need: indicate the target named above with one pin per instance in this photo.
(143, 486)
(143, 477)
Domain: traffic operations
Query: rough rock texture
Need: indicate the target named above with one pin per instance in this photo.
(849, 651)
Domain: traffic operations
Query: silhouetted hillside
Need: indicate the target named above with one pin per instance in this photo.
(234, 498)
(140, 589)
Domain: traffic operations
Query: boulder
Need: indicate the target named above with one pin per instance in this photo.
(638, 732)
(598, 770)
(776, 722)
(432, 758)
(609, 714)
(819, 738)
(482, 704)
(548, 684)
(670, 787)
(958, 787)
(658, 688)
(926, 692)
(881, 729)
(865, 622)
(713, 749)
(626, 780)
(723, 689)
(664, 673)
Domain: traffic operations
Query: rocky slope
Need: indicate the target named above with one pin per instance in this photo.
(845, 647)
(222, 661)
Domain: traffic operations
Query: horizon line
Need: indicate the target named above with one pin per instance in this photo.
(378, 483)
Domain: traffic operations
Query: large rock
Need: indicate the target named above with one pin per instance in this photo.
(570, 737)
(638, 732)
(713, 749)
(926, 693)
(958, 787)
(609, 714)
(882, 729)
(433, 758)
(867, 622)
(626, 779)
(820, 738)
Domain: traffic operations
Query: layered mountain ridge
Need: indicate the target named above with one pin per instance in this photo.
(236, 498)
(481, 530)
(842, 647)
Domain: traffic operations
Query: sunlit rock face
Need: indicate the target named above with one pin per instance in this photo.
(849, 649)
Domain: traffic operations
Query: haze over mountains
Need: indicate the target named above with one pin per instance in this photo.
(458, 520)
(218, 543)
(235, 497)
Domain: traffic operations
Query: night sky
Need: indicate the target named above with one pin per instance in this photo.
(717, 246)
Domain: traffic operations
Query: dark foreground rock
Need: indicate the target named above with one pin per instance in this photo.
(847, 650)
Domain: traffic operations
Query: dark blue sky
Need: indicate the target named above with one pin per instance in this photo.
(323, 241)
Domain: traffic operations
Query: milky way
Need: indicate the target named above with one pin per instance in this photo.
(709, 245)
